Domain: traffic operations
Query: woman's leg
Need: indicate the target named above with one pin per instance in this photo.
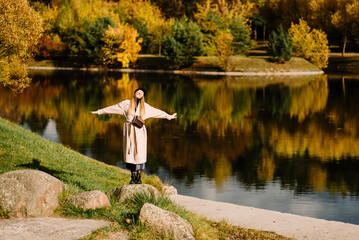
(133, 177)
(138, 177)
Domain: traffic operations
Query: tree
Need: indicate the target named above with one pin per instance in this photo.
(224, 41)
(183, 43)
(280, 46)
(310, 44)
(345, 19)
(20, 28)
(282, 12)
(145, 17)
(121, 46)
(215, 17)
(338, 18)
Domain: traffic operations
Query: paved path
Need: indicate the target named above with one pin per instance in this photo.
(285, 224)
(48, 228)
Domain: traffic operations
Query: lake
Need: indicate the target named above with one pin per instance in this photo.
(289, 144)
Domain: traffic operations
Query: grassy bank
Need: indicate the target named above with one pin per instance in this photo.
(21, 149)
(255, 64)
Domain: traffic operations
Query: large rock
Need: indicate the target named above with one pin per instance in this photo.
(168, 190)
(127, 191)
(165, 222)
(29, 193)
(89, 200)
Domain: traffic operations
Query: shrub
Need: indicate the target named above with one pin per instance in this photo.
(183, 43)
(48, 48)
(280, 46)
(309, 44)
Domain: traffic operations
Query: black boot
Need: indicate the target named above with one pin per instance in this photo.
(133, 178)
(138, 177)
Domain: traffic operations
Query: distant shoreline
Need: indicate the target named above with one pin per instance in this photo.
(180, 72)
(206, 66)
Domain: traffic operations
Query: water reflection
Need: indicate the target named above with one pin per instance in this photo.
(234, 136)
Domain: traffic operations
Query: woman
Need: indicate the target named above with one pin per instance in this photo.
(135, 136)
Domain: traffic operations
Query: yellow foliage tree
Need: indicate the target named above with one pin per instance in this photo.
(224, 48)
(152, 17)
(309, 44)
(346, 19)
(20, 28)
(121, 46)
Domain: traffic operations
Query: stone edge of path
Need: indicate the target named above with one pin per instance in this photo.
(285, 224)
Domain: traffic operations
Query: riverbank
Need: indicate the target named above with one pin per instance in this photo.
(238, 66)
(22, 149)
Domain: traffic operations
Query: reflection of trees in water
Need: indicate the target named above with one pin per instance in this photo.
(254, 130)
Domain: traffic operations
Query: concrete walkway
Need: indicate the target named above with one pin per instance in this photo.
(48, 228)
(288, 225)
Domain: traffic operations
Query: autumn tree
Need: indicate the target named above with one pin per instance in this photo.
(20, 28)
(121, 46)
(345, 19)
(148, 21)
(214, 17)
(224, 47)
(311, 44)
(338, 18)
(282, 12)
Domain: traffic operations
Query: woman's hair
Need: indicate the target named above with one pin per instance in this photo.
(133, 105)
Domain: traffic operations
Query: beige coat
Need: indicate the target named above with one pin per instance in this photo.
(134, 139)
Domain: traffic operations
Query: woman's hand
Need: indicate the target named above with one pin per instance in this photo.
(94, 112)
(173, 116)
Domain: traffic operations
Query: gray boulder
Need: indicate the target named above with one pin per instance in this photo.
(166, 222)
(29, 193)
(127, 191)
(89, 200)
(168, 190)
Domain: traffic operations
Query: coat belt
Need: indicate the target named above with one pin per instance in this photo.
(129, 146)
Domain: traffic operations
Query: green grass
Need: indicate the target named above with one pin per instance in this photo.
(21, 149)
(254, 64)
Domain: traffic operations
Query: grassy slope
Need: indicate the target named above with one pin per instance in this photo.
(21, 149)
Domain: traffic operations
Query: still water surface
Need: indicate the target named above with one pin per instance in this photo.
(289, 144)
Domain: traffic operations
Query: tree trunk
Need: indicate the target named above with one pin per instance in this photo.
(344, 44)
(264, 32)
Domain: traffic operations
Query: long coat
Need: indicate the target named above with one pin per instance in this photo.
(134, 138)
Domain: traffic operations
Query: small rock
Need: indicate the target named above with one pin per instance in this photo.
(89, 200)
(29, 193)
(127, 191)
(168, 190)
(165, 222)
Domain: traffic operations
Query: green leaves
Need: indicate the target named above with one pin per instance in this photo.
(280, 46)
(183, 43)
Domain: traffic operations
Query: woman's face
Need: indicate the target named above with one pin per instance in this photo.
(139, 94)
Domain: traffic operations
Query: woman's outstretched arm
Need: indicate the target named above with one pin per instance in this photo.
(119, 108)
(152, 112)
